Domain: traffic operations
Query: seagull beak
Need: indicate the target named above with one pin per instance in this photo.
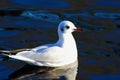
(78, 29)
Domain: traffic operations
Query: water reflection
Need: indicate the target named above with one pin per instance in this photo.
(29, 72)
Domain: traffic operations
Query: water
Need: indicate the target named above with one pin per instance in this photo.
(26, 25)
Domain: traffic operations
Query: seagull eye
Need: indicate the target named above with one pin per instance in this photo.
(67, 27)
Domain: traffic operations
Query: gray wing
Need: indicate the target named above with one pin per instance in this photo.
(42, 53)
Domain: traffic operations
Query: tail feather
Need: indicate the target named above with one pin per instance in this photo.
(13, 52)
(4, 55)
(7, 54)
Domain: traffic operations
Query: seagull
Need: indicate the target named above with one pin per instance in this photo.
(60, 53)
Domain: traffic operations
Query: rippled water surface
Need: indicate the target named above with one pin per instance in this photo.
(30, 23)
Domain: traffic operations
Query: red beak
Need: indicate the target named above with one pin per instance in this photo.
(78, 29)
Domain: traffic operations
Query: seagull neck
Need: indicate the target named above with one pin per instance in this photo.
(65, 39)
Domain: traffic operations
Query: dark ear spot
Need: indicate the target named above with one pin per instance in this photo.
(62, 29)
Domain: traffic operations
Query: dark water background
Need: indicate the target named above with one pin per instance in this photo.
(30, 23)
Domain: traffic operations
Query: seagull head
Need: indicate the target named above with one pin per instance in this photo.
(67, 27)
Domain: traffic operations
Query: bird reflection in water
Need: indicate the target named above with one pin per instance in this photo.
(30, 72)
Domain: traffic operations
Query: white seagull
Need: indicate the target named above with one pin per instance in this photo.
(61, 53)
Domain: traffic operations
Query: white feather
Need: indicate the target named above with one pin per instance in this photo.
(61, 53)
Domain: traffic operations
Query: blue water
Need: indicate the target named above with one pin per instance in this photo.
(108, 3)
(105, 77)
(42, 3)
(4, 72)
(30, 23)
